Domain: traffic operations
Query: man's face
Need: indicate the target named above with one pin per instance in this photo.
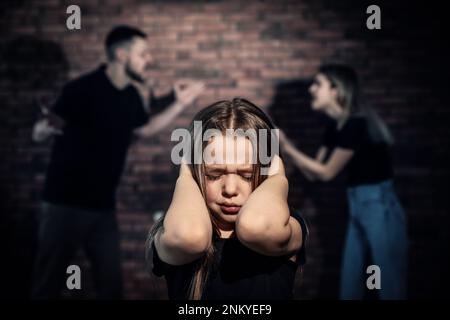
(139, 60)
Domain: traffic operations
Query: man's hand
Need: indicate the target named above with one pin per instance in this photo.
(187, 91)
(43, 129)
(49, 125)
(185, 94)
(54, 121)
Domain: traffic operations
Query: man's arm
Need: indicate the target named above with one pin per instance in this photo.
(185, 94)
(161, 103)
(160, 121)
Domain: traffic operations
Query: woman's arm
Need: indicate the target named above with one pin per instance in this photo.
(288, 146)
(320, 156)
(187, 232)
(264, 223)
(318, 170)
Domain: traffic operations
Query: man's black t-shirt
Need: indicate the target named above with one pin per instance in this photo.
(238, 273)
(88, 158)
(371, 162)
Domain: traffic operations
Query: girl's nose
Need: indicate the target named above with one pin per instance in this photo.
(230, 185)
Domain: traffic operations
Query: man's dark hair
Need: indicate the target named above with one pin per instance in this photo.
(119, 36)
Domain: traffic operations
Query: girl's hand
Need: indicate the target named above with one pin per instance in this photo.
(276, 166)
(184, 169)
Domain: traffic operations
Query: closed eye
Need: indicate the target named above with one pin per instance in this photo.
(247, 177)
(212, 177)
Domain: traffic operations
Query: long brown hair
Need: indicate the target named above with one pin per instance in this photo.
(236, 114)
(345, 79)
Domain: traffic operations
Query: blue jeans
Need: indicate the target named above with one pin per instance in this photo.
(377, 227)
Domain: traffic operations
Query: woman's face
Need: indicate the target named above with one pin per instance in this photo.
(324, 96)
(228, 181)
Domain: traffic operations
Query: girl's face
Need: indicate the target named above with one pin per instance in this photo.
(228, 182)
(324, 96)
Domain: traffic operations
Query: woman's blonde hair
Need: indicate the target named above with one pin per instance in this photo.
(345, 79)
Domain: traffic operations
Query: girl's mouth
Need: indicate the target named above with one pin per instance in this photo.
(230, 209)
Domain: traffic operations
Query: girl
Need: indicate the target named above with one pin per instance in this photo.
(359, 139)
(229, 233)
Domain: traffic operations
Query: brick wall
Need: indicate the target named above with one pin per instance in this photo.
(266, 51)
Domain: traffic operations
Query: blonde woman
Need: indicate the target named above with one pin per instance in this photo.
(359, 140)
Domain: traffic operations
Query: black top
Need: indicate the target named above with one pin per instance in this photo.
(371, 162)
(239, 273)
(88, 158)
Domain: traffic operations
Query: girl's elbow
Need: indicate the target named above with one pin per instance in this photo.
(190, 241)
(262, 234)
(251, 231)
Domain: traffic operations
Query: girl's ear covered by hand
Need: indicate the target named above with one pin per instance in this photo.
(276, 166)
(184, 168)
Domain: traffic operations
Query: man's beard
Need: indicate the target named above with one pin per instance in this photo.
(132, 74)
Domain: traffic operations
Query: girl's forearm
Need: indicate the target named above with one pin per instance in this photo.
(263, 222)
(188, 216)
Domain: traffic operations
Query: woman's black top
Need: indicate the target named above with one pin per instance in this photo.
(371, 162)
